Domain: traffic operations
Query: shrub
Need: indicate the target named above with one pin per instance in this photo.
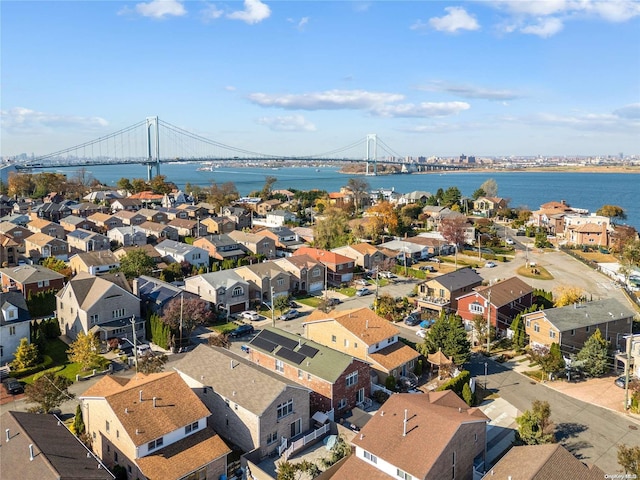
(380, 396)
(390, 383)
(25, 372)
(456, 384)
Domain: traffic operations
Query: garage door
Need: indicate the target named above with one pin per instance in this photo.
(238, 307)
(315, 287)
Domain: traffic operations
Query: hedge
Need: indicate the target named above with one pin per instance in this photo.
(456, 384)
(47, 361)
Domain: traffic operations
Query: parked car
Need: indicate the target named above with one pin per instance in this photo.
(428, 268)
(361, 282)
(412, 320)
(620, 381)
(435, 260)
(244, 329)
(362, 292)
(427, 323)
(250, 315)
(293, 304)
(13, 386)
(333, 301)
(291, 314)
(490, 264)
(422, 333)
(143, 349)
(509, 241)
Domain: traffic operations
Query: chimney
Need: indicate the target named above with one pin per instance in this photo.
(8, 434)
(154, 402)
(126, 410)
(140, 396)
(31, 452)
(404, 424)
(137, 432)
(382, 413)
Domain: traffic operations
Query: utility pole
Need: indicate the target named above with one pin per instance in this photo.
(135, 342)
(489, 323)
(626, 370)
(479, 253)
(273, 307)
(181, 306)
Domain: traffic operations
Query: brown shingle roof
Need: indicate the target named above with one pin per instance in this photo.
(506, 291)
(355, 468)
(366, 325)
(176, 404)
(394, 355)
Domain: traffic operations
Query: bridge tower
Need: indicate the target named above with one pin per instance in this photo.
(153, 147)
(372, 153)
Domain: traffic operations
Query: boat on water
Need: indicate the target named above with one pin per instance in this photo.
(205, 169)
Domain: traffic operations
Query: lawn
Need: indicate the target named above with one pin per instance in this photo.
(529, 272)
(57, 350)
(224, 327)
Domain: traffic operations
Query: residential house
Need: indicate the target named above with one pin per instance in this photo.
(54, 211)
(94, 263)
(17, 219)
(277, 218)
(95, 304)
(365, 335)
(81, 240)
(307, 274)
(74, 222)
(40, 245)
(14, 231)
(364, 255)
(255, 243)
(15, 324)
(339, 267)
(148, 249)
(40, 225)
(179, 252)
(417, 196)
(441, 293)
(218, 225)
(267, 206)
(128, 236)
(488, 206)
(590, 230)
(285, 239)
(501, 302)
(194, 212)
(156, 232)
(227, 290)
(153, 215)
(239, 215)
(267, 280)
(338, 381)
(537, 462)
(254, 407)
(9, 250)
(156, 294)
(434, 215)
(131, 204)
(542, 217)
(431, 246)
(220, 247)
(431, 436)
(631, 355)
(146, 199)
(188, 228)
(173, 213)
(30, 279)
(404, 249)
(570, 326)
(102, 196)
(154, 426)
(104, 221)
(305, 234)
(42, 447)
(130, 218)
(87, 209)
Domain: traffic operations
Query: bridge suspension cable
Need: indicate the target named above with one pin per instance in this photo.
(388, 149)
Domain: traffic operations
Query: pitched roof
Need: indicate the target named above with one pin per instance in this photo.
(542, 462)
(458, 279)
(96, 258)
(433, 420)
(176, 405)
(89, 289)
(324, 256)
(14, 299)
(392, 356)
(247, 237)
(362, 322)
(234, 377)
(505, 291)
(41, 239)
(30, 273)
(364, 248)
(318, 360)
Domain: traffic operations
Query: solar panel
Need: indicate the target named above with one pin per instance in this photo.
(308, 351)
(290, 355)
(263, 343)
(279, 339)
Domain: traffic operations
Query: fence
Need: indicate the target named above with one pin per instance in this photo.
(301, 442)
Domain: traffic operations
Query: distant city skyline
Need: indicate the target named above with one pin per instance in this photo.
(438, 78)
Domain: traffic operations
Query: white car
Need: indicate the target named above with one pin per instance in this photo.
(489, 264)
(250, 315)
(422, 333)
(509, 241)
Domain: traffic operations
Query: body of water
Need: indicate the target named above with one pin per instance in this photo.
(527, 189)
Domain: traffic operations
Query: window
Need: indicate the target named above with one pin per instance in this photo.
(342, 403)
(106, 425)
(300, 373)
(315, 272)
(370, 457)
(94, 319)
(237, 292)
(360, 396)
(115, 456)
(117, 433)
(296, 427)
(272, 438)
(280, 282)
(334, 339)
(279, 366)
(285, 409)
(118, 313)
(155, 444)
(552, 334)
(528, 322)
(573, 332)
(346, 342)
(352, 379)
(191, 428)
(536, 327)
(403, 475)
(476, 308)
(12, 330)
(587, 329)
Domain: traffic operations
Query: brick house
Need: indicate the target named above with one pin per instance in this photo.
(431, 436)
(74, 222)
(157, 232)
(30, 279)
(130, 218)
(220, 247)
(94, 262)
(572, 325)
(255, 243)
(502, 301)
(81, 240)
(338, 381)
(251, 402)
(154, 426)
(40, 225)
(216, 225)
(339, 267)
(365, 335)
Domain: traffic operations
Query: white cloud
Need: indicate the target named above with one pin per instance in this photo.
(211, 12)
(470, 91)
(299, 24)
(545, 28)
(161, 9)
(328, 100)
(254, 12)
(291, 123)
(456, 19)
(24, 120)
(424, 109)
(230, 88)
(361, 7)
(593, 122)
(631, 111)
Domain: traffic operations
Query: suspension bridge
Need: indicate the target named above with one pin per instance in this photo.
(153, 142)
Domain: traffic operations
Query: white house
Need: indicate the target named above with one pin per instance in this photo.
(182, 252)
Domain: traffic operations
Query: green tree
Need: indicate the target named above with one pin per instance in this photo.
(535, 426)
(78, 422)
(160, 185)
(269, 181)
(467, 394)
(332, 230)
(160, 332)
(451, 197)
(59, 266)
(478, 193)
(139, 185)
(629, 459)
(151, 363)
(385, 306)
(448, 334)
(549, 359)
(48, 392)
(26, 355)
(124, 184)
(519, 335)
(612, 211)
(85, 350)
(482, 331)
(594, 355)
(136, 262)
(281, 303)
(220, 196)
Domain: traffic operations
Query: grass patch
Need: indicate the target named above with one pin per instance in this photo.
(534, 374)
(224, 327)
(312, 302)
(543, 273)
(349, 291)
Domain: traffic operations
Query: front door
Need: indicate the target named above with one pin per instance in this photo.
(296, 428)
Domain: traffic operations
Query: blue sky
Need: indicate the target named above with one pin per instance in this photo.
(491, 77)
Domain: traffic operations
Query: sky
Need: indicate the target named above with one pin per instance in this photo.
(429, 78)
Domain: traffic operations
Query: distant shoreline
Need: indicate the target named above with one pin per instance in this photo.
(555, 169)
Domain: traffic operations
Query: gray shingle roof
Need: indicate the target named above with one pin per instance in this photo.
(30, 273)
(589, 313)
(232, 376)
(458, 279)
